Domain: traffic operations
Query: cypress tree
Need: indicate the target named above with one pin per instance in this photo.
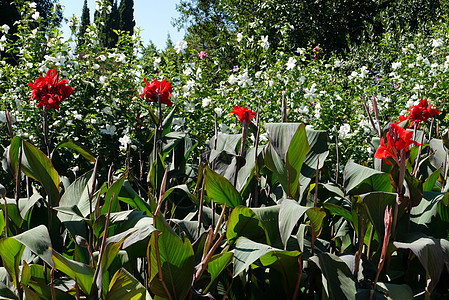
(126, 15)
(107, 23)
(85, 22)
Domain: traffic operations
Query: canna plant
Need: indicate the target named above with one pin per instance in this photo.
(247, 220)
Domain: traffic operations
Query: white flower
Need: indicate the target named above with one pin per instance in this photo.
(6, 28)
(264, 42)
(418, 87)
(344, 130)
(437, 42)
(3, 116)
(120, 58)
(189, 107)
(107, 110)
(218, 111)
(102, 57)
(239, 37)
(317, 110)
(33, 4)
(232, 79)
(96, 66)
(363, 72)
(206, 101)
(188, 86)
(188, 71)
(156, 62)
(77, 116)
(337, 63)
(304, 109)
(396, 65)
(244, 80)
(291, 64)
(181, 46)
(35, 15)
(124, 141)
(310, 92)
(110, 129)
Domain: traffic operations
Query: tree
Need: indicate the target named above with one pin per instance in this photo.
(126, 16)
(107, 21)
(85, 22)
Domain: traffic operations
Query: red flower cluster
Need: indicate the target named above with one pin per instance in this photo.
(398, 139)
(48, 91)
(157, 89)
(243, 113)
(420, 113)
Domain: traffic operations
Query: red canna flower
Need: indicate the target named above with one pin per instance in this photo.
(243, 113)
(398, 139)
(48, 91)
(157, 89)
(421, 112)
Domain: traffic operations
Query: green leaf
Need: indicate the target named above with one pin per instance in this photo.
(275, 164)
(296, 153)
(114, 190)
(77, 195)
(217, 264)
(359, 179)
(427, 208)
(81, 273)
(289, 215)
(336, 277)
(125, 287)
(36, 165)
(269, 216)
(246, 252)
(429, 253)
(77, 147)
(244, 222)
(177, 261)
(415, 188)
(280, 136)
(129, 196)
(431, 180)
(316, 216)
(338, 210)
(376, 203)
(11, 252)
(38, 241)
(221, 190)
(395, 291)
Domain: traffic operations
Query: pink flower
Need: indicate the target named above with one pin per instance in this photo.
(203, 55)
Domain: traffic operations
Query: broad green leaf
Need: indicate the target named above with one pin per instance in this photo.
(38, 241)
(431, 180)
(81, 273)
(336, 277)
(176, 259)
(396, 291)
(439, 159)
(221, 190)
(11, 253)
(246, 252)
(338, 210)
(77, 147)
(36, 165)
(274, 162)
(280, 136)
(427, 208)
(114, 190)
(2, 220)
(244, 222)
(355, 176)
(429, 253)
(129, 196)
(217, 264)
(289, 215)
(125, 287)
(77, 195)
(296, 153)
(376, 203)
(269, 216)
(6, 292)
(316, 216)
(225, 142)
(415, 188)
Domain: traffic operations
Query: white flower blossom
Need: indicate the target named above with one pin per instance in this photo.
(124, 141)
(291, 64)
(437, 43)
(156, 62)
(264, 42)
(110, 129)
(189, 107)
(232, 79)
(396, 65)
(107, 110)
(181, 46)
(5, 28)
(178, 123)
(363, 72)
(239, 37)
(244, 80)
(35, 15)
(344, 131)
(206, 102)
(223, 128)
(310, 92)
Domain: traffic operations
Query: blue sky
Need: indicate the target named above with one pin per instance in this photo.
(154, 17)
